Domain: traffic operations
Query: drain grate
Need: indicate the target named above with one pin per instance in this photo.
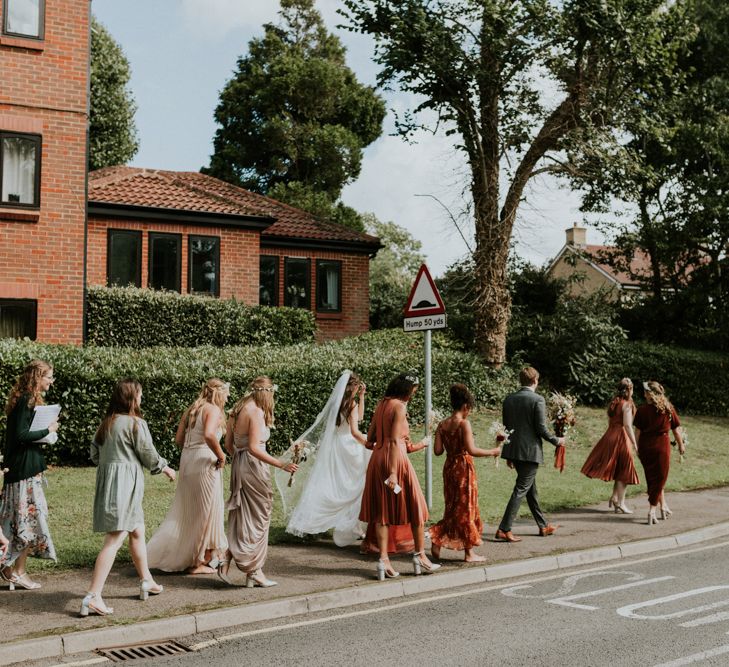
(137, 651)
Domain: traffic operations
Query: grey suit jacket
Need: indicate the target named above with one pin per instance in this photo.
(525, 412)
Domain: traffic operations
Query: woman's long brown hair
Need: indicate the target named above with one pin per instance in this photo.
(260, 391)
(123, 402)
(213, 392)
(347, 404)
(28, 383)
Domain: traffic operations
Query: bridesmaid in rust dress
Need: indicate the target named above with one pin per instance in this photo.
(654, 420)
(461, 525)
(392, 495)
(611, 459)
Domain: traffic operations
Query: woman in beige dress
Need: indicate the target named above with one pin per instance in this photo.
(251, 494)
(121, 449)
(193, 532)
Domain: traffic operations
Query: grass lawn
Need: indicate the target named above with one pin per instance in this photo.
(71, 490)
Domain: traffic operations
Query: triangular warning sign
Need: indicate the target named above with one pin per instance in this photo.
(424, 298)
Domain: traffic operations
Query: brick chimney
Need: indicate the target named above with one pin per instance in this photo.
(576, 236)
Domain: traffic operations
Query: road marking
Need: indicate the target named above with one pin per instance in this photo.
(567, 601)
(706, 620)
(629, 610)
(90, 661)
(568, 585)
(203, 645)
(696, 657)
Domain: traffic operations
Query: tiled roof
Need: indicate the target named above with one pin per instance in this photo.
(640, 264)
(191, 191)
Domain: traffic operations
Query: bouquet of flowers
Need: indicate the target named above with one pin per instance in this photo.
(299, 451)
(561, 409)
(501, 435)
(684, 437)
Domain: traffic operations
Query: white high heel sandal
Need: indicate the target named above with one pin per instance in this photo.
(87, 607)
(147, 588)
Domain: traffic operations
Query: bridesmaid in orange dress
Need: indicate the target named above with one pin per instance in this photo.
(392, 494)
(654, 420)
(611, 459)
(461, 525)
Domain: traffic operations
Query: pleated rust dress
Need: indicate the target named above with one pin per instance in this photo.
(381, 504)
(610, 459)
(654, 446)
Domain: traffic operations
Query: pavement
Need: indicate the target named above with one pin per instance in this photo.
(317, 576)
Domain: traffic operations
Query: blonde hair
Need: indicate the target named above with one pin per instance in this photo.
(213, 392)
(28, 383)
(260, 391)
(657, 395)
(622, 393)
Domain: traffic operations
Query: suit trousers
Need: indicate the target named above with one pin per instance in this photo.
(526, 485)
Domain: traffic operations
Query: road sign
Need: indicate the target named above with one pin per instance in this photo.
(424, 298)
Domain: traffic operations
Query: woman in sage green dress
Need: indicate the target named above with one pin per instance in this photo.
(121, 449)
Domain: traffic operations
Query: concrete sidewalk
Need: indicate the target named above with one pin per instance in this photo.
(318, 576)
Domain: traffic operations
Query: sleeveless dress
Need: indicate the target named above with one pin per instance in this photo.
(195, 522)
(610, 459)
(333, 494)
(249, 506)
(381, 504)
(654, 446)
(461, 525)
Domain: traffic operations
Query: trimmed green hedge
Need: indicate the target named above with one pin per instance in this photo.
(172, 378)
(141, 318)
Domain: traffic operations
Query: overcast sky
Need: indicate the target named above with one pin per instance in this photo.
(182, 52)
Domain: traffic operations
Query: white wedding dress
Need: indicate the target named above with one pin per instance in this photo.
(327, 490)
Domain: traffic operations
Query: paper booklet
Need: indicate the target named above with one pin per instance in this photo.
(43, 417)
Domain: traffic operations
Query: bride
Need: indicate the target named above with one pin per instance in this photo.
(327, 490)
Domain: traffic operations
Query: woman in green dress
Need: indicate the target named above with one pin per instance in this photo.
(23, 508)
(121, 449)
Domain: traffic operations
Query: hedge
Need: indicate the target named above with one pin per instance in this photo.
(140, 318)
(172, 378)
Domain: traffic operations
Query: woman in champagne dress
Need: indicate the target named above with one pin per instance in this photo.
(654, 420)
(461, 526)
(251, 495)
(193, 532)
(392, 494)
(611, 459)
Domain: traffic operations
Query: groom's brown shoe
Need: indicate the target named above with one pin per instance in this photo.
(506, 536)
(547, 530)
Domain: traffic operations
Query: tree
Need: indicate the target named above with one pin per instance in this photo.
(480, 67)
(112, 133)
(294, 120)
(392, 271)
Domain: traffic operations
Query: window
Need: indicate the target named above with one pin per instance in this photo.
(204, 265)
(124, 257)
(268, 281)
(328, 286)
(165, 261)
(18, 318)
(24, 18)
(20, 169)
(296, 283)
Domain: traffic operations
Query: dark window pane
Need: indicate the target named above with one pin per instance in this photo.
(164, 261)
(19, 164)
(204, 269)
(125, 251)
(17, 318)
(23, 17)
(328, 276)
(268, 287)
(297, 283)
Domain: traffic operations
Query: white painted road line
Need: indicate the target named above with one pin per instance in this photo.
(567, 601)
(629, 610)
(696, 657)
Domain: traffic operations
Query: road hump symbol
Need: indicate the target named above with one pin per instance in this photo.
(424, 297)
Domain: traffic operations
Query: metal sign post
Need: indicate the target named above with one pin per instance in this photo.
(424, 312)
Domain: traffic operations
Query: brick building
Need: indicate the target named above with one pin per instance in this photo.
(192, 233)
(44, 63)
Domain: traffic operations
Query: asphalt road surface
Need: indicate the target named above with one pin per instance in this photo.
(667, 610)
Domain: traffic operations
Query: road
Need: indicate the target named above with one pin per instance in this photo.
(667, 610)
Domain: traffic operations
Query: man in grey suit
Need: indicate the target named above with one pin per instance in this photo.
(524, 412)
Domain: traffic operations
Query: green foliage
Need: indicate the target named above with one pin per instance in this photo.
(172, 378)
(456, 287)
(392, 271)
(141, 318)
(294, 114)
(112, 133)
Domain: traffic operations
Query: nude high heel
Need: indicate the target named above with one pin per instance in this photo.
(665, 512)
(383, 571)
(147, 588)
(9, 577)
(652, 517)
(622, 508)
(420, 566)
(257, 578)
(87, 606)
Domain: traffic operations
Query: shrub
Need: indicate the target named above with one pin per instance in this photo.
(139, 318)
(172, 378)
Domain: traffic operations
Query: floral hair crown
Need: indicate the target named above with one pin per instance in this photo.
(412, 378)
(272, 388)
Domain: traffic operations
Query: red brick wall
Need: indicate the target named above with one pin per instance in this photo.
(354, 317)
(43, 90)
(238, 254)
